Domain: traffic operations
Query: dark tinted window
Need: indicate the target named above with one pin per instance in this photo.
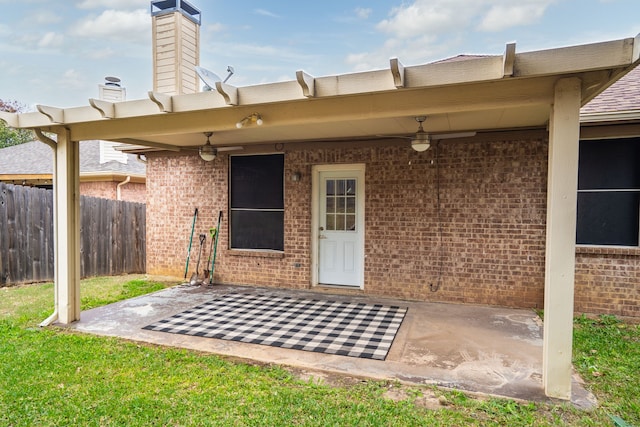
(609, 192)
(257, 202)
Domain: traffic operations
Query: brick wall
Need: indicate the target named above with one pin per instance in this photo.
(492, 220)
(176, 185)
(130, 192)
(134, 192)
(101, 189)
(607, 281)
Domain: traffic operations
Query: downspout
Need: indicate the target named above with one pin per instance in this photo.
(118, 191)
(53, 144)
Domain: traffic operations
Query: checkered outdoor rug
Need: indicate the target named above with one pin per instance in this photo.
(332, 327)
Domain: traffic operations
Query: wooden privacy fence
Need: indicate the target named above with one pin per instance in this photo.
(112, 236)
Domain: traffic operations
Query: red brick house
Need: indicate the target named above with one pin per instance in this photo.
(484, 245)
(608, 252)
(340, 190)
(104, 172)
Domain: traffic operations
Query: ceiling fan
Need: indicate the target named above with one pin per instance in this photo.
(421, 141)
(208, 152)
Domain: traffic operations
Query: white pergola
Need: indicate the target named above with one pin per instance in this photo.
(513, 91)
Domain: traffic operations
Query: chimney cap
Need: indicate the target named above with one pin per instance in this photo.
(163, 7)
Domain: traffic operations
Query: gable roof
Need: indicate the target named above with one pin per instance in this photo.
(36, 158)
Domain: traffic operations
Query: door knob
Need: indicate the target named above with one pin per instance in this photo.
(321, 228)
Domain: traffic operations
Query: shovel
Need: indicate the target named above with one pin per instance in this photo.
(195, 277)
(212, 233)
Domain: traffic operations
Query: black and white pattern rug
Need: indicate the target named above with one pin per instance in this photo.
(332, 327)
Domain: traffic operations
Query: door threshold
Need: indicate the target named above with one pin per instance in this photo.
(340, 287)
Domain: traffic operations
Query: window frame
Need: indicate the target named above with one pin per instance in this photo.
(611, 191)
(235, 212)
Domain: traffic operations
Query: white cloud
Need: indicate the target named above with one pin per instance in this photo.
(27, 41)
(104, 53)
(413, 51)
(116, 25)
(216, 27)
(113, 4)
(502, 16)
(425, 30)
(428, 17)
(43, 16)
(264, 12)
(72, 79)
(453, 16)
(363, 13)
(282, 53)
(50, 40)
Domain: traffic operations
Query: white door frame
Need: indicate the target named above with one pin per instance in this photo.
(359, 169)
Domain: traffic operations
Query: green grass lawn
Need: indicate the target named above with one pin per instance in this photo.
(52, 377)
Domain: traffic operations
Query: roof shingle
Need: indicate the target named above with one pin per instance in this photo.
(37, 158)
(623, 95)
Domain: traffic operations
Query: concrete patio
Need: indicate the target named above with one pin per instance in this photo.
(478, 349)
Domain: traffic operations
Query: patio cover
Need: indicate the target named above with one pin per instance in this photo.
(513, 91)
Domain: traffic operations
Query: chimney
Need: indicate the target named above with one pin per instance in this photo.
(176, 46)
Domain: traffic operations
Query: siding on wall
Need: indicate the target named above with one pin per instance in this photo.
(492, 218)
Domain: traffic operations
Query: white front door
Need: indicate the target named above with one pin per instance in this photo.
(340, 225)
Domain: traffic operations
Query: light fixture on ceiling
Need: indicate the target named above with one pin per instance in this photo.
(421, 141)
(208, 152)
(250, 119)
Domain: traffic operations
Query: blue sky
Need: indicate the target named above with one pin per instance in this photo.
(56, 52)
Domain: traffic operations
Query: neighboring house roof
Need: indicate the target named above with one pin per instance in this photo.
(623, 95)
(36, 158)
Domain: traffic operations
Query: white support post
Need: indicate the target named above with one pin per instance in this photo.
(67, 218)
(562, 189)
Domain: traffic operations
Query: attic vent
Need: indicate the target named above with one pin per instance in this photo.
(110, 154)
(112, 90)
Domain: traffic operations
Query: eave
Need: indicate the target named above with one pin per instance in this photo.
(84, 177)
(514, 90)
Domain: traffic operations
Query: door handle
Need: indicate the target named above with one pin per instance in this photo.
(321, 228)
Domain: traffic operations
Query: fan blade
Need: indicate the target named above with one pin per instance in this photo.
(452, 135)
(395, 136)
(230, 148)
(220, 149)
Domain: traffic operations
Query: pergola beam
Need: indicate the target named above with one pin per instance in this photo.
(150, 144)
(228, 92)
(508, 60)
(162, 100)
(307, 83)
(105, 108)
(589, 60)
(11, 119)
(507, 93)
(397, 71)
(54, 114)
